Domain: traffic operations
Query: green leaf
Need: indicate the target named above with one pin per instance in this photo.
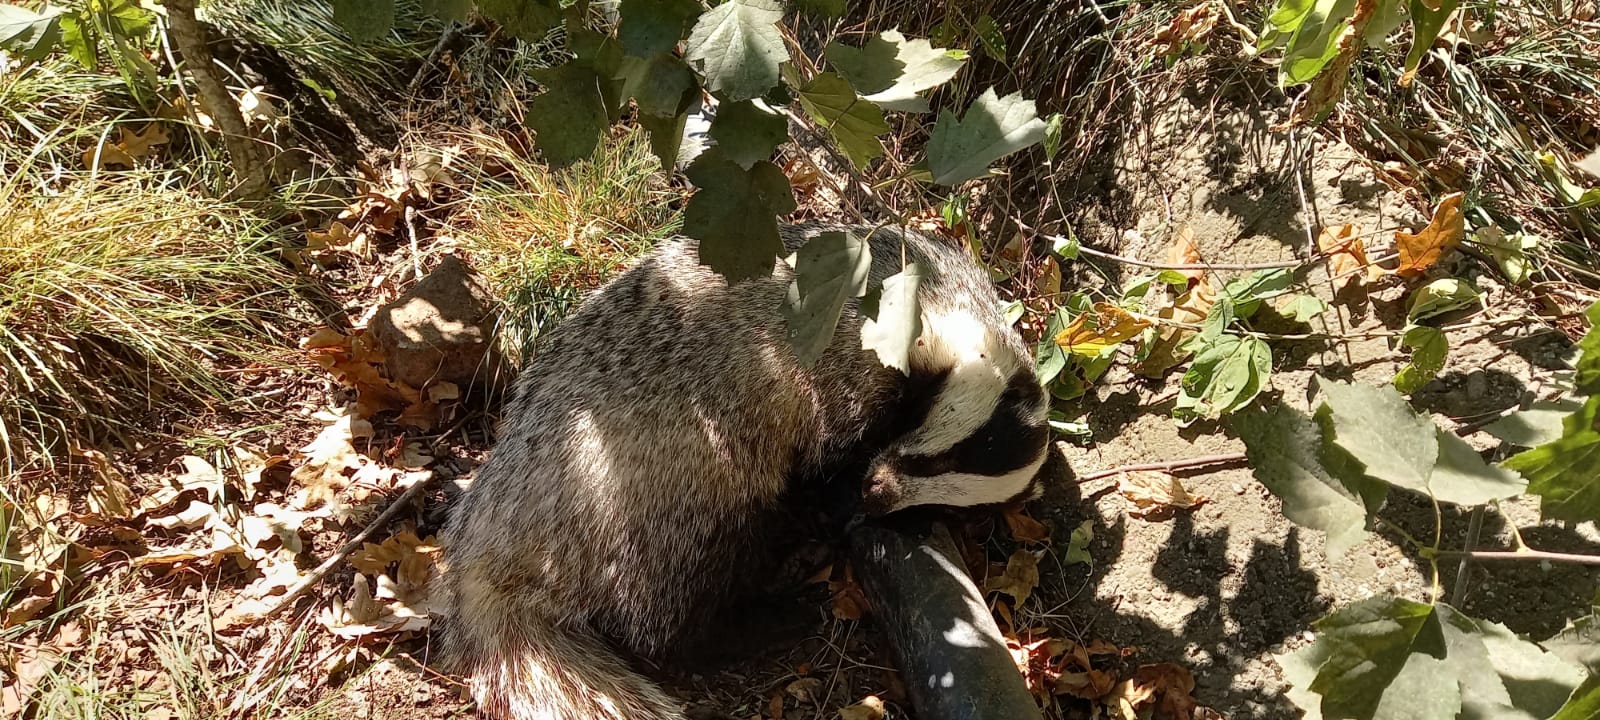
(1377, 427)
(526, 19)
(1439, 297)
(822, 8)
(748, 131)
(663, 86)
(854, 122)
(1396, 659)
(651, 27)
(1172, 278)
(1346, 468)
(1076, 429)
(1078, 546)
(1513, 252)
(79, 39)
(1012, 311)
(1248, 291)
(1429, 347)
(1584, 703)
(1463, 478)
(1587, 379)
(1226, 375)
(569, 117)
(989, 37)
(666, 137)
(365, 20)
(1312, 29)
(1303, 308)
(1565, 474)
(1537, 425)
(737, 47)
(1066, 246)
(892, 318)
(1426, 24)
(991, 128)
(829, 269)
(27, 34)
(1579, 642)
(456, 11)
(891, 70)
(1052, 137)
(1282, 445)
(734, 214)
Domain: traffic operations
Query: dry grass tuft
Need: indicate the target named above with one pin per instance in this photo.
(545, 238)
(122, 297)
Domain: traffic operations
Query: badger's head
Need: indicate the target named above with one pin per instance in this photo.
(984, 437)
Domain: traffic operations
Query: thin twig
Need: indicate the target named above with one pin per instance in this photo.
(321, 571)
(433, 57)
(1186, 266)
(1166, 466)
(1526, 554)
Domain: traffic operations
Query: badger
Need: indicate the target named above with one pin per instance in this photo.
(658, 448)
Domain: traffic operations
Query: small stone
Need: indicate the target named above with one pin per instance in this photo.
(442, 329)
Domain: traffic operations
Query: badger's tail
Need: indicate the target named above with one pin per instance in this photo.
(529, 670)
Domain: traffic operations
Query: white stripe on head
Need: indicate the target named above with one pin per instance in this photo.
(963, 490)
(979, 364)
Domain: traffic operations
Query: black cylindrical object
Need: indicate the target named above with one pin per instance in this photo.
(946, 645)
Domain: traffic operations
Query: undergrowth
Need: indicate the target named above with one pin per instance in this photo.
(123, 296)
(546, 239)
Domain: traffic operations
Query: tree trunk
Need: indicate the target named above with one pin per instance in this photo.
(249, 166)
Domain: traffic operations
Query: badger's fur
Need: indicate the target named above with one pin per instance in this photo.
(662, 434)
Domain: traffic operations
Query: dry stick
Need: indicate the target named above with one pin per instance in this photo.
(1458, 594)
(249, 170)
(315, 576)
(1524, 554)
(1167, 466)
(1162, 266)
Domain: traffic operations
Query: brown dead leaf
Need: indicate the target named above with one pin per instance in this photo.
(1024, 528)
(1164, 351)
(109, 494)
(1091, 333)
(1034, 659)
(1190, 27)
(1347, 256)
(869, 708)
(331, 460)
(1165, 687)
(1089, 684)
(1444, 232)
(133, 146)
(849, 600)
(1184, 251)
(369, 612)
(1157, 494)
(806, 690)
(1020, 578)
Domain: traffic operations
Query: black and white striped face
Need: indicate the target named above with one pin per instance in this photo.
(985, 436)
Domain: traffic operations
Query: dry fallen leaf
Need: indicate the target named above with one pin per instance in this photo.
(869, 708)
(1165, 687)
(128, 150)
(109, 495)
(1192, 26)
(849, 600)
(805, 689)
(1347, 256)
(1184, 251)
(1157, 493)
(1164, 351)
(1111, 326)
(1024, 528)
(1421, 251)
(1020, 578)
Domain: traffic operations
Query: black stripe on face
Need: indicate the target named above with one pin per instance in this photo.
(1013, 437)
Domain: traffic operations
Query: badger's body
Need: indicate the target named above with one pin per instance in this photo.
(664, 432)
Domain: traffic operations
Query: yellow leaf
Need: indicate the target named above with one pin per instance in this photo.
(1157, 494)
(1190, 307)
(1020, 578)
(1347, 256)
(1421, 251)
(1111, 326)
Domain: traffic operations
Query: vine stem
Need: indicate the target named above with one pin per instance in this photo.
(1524, 554)
(1167, 466)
